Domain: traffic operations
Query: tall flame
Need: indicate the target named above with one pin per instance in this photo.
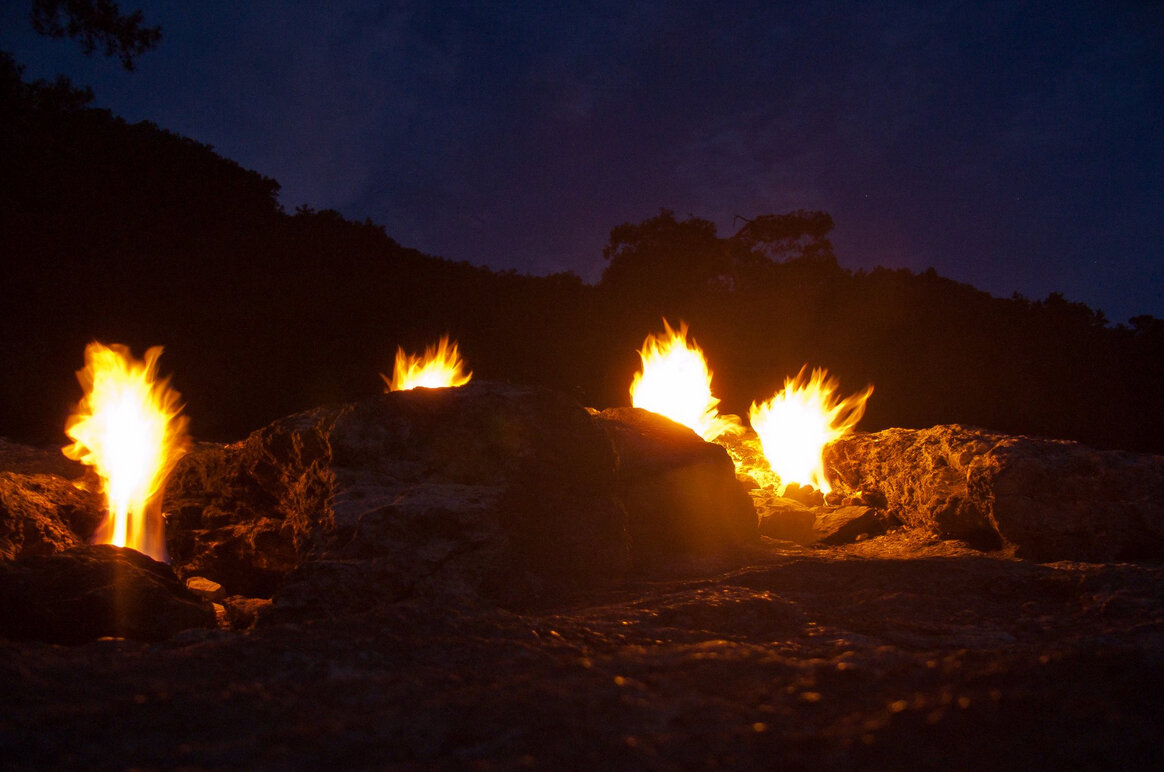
(128, 428)
(798, 422)
(676, 382)
(440, 366)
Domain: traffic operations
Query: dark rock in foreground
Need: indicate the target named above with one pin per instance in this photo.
(491, 492)
(488, 490)
(1047, 499)
(899, 651)
(95, 591)
(680, 493)
(928, 656)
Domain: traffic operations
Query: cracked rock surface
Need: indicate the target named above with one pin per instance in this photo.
(1046, 499)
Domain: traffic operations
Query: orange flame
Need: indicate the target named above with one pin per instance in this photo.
(128, 428)
(675, 382)
(798, 422)
(441, 366)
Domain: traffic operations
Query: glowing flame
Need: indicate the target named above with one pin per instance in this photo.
(676, 383)
(440, 366)
(795, 426)
(128, 428)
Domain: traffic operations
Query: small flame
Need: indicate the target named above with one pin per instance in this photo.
(795, 426)
(441, 366)
(128, 428)
(675, 382)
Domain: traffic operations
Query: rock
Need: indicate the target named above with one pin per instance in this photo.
(95, 591)
(205, 588)
(791, 520)
(489, 490)
(681, 493)
(41, 514)
(786, 519)
(1046, 499)
(1057, 500)
(805, 494)
(242, 612)
(922, 476)
(844, 525)
(923, 656)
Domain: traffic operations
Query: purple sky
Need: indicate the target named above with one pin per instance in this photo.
(1016, 146)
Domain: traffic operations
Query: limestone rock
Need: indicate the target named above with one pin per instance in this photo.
(94, 591)
(783, 518)
(790, 520)
(844, 525)
(1063, 500)
(242, 612)
(205, 588)
(41, 514)
(488, 490)
(681, 493)
(805, 494)
(1048, 499)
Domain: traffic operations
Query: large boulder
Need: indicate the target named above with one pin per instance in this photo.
(488, 490)
(1047, 499)
(681, 493)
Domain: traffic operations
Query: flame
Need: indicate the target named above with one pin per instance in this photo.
(798, 422)
(128, 428)
(440, 366)
(676, 383)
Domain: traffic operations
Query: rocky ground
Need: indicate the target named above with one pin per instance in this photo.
(696, 645)
(903, 655)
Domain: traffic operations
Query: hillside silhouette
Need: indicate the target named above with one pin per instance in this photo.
(129, 233)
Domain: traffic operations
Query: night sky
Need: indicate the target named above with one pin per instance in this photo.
(1016, 146)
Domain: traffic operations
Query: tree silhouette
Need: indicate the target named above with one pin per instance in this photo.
(665, 258)
(97, 24)
(129, 233)
(59, 95)
(799, 234)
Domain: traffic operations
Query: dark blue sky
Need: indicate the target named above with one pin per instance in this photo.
(1016, 146)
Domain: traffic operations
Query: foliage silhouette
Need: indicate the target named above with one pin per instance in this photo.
(97, 24)
(938, 351)
(129, 233)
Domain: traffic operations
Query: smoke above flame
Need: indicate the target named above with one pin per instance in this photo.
(128, 427)
(675, 382)
(439, 367)
(797, 424)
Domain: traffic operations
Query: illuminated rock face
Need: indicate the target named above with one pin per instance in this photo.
(42, 513)
(1046, 499)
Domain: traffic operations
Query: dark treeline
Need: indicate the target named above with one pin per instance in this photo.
(128, 233)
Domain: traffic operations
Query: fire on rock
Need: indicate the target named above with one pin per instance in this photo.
(518, 496)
